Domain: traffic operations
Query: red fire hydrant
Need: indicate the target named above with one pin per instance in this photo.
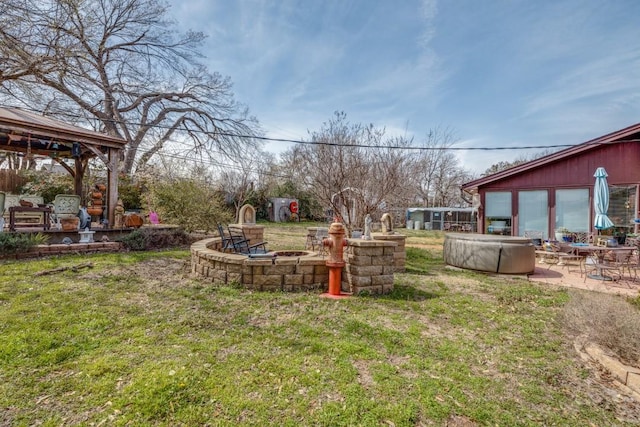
(336, 243)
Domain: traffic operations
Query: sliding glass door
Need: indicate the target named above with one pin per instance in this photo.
(572, 209)
(533, 212)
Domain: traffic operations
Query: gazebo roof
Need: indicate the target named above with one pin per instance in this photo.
(25, 132)
(22, 131)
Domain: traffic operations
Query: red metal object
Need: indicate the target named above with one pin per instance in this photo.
(336, 243)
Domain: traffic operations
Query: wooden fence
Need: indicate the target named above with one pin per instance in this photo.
(10, 180)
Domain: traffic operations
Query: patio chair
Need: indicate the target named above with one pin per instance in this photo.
(563, 256)
(243, 245)
(634, 265)
(314, 238)
(611, 267)
(589, 266)
(65, 206)
(582, 237)
(536, 238)
(567, 256)
(624, 260)
(226, 240)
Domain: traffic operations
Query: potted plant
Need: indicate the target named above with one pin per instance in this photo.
(620, 236)
(562, 234)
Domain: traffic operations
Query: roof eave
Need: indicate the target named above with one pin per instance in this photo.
(616, 136)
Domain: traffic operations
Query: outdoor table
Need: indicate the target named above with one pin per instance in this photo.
(599, 252)
(45, 217)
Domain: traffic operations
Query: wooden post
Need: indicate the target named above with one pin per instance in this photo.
(77, 178)
(112, 185)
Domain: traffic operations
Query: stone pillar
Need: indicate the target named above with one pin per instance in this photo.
(253, 232)
(369, 267)
(400, 254)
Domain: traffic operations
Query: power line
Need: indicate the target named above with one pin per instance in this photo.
(397, 147)
(337, 144)
(225, 165)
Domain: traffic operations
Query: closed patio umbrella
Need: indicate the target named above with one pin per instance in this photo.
(601, 200)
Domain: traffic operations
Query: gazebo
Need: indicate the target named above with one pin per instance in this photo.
(32, 134)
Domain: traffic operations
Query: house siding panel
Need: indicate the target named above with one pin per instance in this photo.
(618, 153)
(622, 162)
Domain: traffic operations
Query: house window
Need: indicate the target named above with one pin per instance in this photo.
(498, 212)
(622, 202)
(533, 212)
(572, 209)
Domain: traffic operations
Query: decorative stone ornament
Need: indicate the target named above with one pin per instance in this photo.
(367, 227)
(387, 223)
(86, 236)
(247, 215)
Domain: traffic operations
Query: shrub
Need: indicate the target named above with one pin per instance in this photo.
(47, 184)
(190, 204)
(13, 243)
(149, 239)
(130, 192)
(135, 241)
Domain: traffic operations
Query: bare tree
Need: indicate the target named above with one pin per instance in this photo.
(502, 165)
(448, 179)
(437, 170)
(239, 181)
(350, 168)
(123, 68)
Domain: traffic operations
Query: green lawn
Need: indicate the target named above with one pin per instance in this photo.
(136, 341)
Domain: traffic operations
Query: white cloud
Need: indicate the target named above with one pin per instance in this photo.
(499, 73)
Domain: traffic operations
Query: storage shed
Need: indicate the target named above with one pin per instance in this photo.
(283, 209)
(442, 218)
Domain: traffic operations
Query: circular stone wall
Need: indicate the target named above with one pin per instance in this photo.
(280, 273)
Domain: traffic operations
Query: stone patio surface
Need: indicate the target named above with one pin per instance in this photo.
(569, 276)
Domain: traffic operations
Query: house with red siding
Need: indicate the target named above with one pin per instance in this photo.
(556, 191)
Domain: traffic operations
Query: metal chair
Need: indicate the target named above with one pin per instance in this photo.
(65, 206)
(610, 267)
(536, 237)
(243, 245)
(226, 240)
(582, 237)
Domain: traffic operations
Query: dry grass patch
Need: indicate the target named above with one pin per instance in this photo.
(607, 320)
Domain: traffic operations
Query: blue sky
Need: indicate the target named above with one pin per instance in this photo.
(496, 73)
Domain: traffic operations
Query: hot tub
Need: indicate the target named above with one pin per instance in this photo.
(489, 252)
